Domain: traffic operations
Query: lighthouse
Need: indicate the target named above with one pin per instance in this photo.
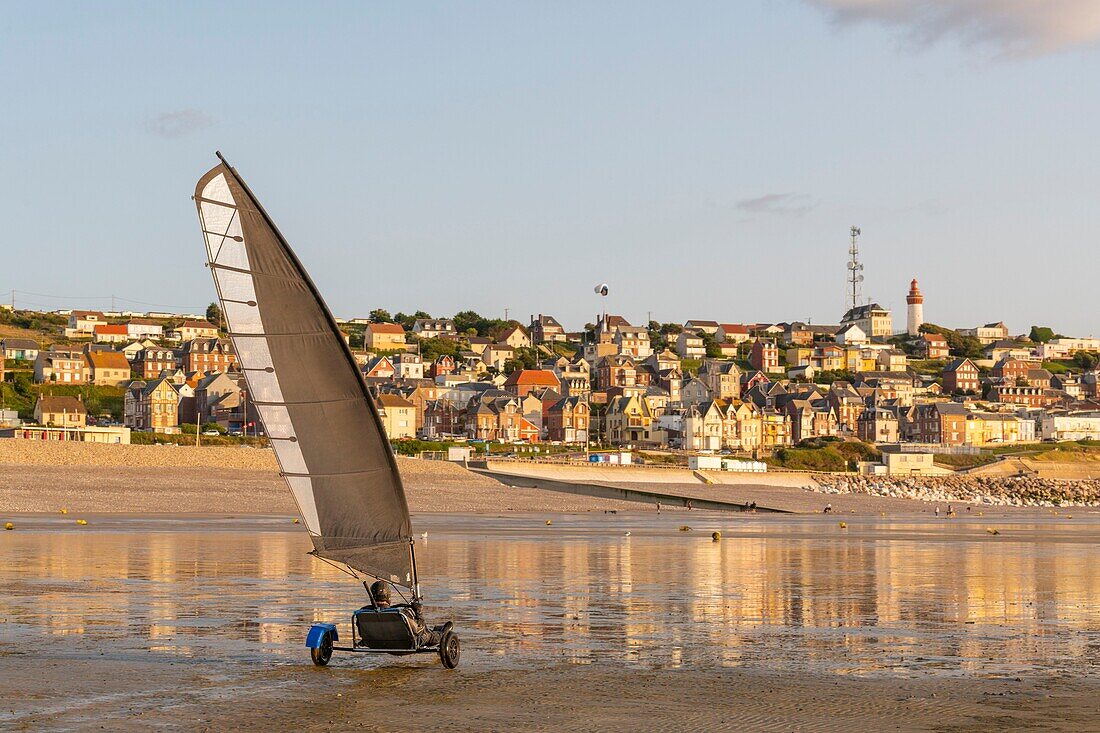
(916, 309)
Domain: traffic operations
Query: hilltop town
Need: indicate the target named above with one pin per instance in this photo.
(703, 386)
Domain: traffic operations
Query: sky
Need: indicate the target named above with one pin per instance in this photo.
(705, 159)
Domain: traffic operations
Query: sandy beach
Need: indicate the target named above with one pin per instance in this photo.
(84, 477)
(80, 477)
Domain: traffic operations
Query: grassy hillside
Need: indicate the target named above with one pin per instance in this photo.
(823, 454)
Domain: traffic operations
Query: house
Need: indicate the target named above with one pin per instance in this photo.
(189, 330)
(616, 370)
(988, 333)
(811, 418)
(83, 323)
(516, 337)
(961, 375)
(892, 360)
(764, 356)
(804, 373)
(398, 416)
(208, 355)
(710, 327)
(723, 378)
(107, 367)
(628, 419)
(732, 333)
(608, 324)
(61, 365)
(695, 391)
(689, 345)
(940, 422)
(932, 346)
(878, 425)
(1000, 349)
(567, 420)
(798, 333)
(1070, 426)
(546, 328)
(522, 382)
(210, 394)
(153, 361)
(428, 328)
(443, 365)
(384, 337)
(495, 417)
(1064, 348)
(775, 429)
(152, 406)
(1014, 370)
(898, 461)
(62, 412)
(1025, 393)
(407, 366)
(851, 335)
(848, 404)
(496, 355)
(574, 376)
(107, 333)
(380, 367)
(21, 349)
(633, 341)
(442, 419)
(141, 328)
(874, 320)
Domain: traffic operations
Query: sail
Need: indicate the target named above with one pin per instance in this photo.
(306, 386)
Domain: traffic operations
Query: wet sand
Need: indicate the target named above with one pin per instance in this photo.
(788, 623)
(185, 696)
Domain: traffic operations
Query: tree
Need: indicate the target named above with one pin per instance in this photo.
(1041, 334)
(379, 315)
(214, 314)
(710, 344)
(1086, 360)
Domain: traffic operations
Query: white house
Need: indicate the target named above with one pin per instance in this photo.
(851, 335)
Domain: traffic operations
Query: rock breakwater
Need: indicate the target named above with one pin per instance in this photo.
(1009, 491)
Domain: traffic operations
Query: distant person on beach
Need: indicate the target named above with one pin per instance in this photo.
(828, 509)
(752, 507)
(658, 507)
(688, 504)
(950, 511)
(937, 510)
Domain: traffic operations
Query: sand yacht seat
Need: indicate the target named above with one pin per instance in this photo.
(387, 628)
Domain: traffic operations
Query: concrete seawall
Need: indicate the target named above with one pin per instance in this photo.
(667, 493)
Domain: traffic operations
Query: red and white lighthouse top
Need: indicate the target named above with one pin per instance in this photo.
(914, 296)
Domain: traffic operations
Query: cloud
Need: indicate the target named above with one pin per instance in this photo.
(778, 204)
(178, 124)
(1015, 27)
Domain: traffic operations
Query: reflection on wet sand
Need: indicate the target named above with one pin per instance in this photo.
(781, 593)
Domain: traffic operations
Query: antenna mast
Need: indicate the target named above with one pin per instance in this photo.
(855, 271)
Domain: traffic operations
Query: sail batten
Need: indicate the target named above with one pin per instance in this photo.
(306, 387)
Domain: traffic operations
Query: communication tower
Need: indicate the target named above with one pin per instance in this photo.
(855, 272)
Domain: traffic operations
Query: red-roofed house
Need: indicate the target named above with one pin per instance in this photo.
(523, 381)
(732, 332)
(384, 337)
(106, 333)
